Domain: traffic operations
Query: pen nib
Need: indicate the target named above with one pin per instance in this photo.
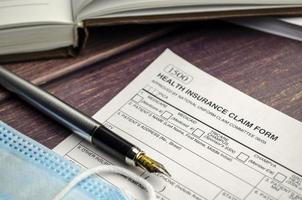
(151, 165)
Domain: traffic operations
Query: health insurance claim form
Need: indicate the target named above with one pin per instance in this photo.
(217, 142)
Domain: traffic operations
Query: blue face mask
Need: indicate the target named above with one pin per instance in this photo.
(30, 171)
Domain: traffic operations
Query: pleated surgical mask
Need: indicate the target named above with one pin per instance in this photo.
(30, 171)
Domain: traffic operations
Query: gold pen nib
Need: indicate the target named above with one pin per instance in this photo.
(151, 165)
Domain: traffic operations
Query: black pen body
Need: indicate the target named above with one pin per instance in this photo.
(81, 124)
(49, 104)
(105, 139)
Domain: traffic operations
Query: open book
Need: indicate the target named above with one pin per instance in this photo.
(41, 25)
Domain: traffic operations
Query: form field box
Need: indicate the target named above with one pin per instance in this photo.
(242, 157)
(280, 177)
(166, 115)
(198, 132)
(137, 98)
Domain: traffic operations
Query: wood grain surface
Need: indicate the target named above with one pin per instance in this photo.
(266, 67)
(103, 43)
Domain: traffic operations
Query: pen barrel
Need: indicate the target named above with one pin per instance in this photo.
(79, 123)
(111, 143)
(49, 104)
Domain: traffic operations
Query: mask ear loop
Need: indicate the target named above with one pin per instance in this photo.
(107, 169)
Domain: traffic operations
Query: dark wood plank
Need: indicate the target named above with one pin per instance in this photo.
(103, 43)
(263, 66)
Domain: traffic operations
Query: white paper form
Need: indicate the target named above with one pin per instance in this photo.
(218, 143)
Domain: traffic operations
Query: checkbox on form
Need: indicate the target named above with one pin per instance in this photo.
(198, 133)
(137, 98)
(280, 177)
(166, 115)
(242, 157)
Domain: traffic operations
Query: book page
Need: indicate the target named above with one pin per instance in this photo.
(284, 27)
(218, 143)
(17, 13)
(183, 10)
(78, 5)
(293, 20)
(103, 8)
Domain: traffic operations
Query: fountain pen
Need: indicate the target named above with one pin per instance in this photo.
(81, 124)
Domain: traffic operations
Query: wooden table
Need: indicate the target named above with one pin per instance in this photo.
(266, 67)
